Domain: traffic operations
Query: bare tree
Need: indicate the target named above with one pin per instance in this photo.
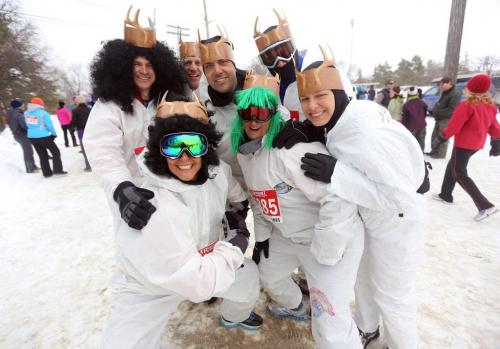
(24, 72)
(488, 64)
(72, 81)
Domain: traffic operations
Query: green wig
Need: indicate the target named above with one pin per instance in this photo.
(258, 97)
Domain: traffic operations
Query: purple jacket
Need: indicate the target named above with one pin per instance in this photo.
(414, 112)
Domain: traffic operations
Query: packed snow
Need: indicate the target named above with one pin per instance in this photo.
(57, 251)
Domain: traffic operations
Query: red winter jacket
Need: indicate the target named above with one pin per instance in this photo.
(470, 123)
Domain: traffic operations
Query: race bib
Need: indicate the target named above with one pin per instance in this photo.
(31, 120)
(207, 249)
(269, 204)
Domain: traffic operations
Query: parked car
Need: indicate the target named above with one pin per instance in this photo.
(431, 96)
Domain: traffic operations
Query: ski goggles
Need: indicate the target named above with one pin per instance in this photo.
(280, 51)
(174, 144)
(256, 113)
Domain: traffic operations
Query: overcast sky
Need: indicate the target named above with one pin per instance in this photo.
(383, 30)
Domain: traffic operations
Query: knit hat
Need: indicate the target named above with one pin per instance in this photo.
(413, 91)
(37, 100)
(16, 103)
(479, 84)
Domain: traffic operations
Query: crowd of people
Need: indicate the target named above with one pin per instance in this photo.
(335, 185)
(32, 127)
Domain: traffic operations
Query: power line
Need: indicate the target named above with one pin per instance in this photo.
(47, 19)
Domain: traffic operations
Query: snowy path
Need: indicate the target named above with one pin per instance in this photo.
(56, 247)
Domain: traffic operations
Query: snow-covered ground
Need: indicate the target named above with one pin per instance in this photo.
(56, 245)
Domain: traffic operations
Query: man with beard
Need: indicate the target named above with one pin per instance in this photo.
(128, 76)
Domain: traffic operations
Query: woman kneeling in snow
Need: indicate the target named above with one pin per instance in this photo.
(183, 252)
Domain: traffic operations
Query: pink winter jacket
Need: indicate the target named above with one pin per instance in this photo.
(64, 116)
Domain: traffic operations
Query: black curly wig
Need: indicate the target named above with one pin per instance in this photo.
(157, 163)
(112, 69)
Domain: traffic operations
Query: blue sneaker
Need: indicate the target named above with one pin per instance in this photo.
(279, 311)
(254, 322)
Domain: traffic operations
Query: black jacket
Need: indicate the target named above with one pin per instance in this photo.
(446, 105)
(17, 124)
(80, 116)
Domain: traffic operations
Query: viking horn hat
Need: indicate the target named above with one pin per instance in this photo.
(324, 77)
(137, 35)
(213, 51)
(269, 82)
(280, 33)
(194, 109)
(188, 48)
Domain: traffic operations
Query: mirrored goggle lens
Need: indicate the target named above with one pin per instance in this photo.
(256, 113)
(173, 145)
(282, 51)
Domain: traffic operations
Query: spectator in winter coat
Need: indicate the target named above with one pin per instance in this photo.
(80, 117)
(442, 113)
(414, 112)
(17, 126)
(371, 93)
(65, 119)
(41, 133)
(473, 119)
(384, 96)
(395, 106)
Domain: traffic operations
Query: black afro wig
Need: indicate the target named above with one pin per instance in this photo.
(112, 72)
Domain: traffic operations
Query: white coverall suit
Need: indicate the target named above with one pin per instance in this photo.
(309, 227)
(379, 167)
(178, 256)
(111, 138)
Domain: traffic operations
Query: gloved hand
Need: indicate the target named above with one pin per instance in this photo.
(135, 209)
(294, 132)
(495, 147)
(318, 166)
(239, 238)
(436, 143)
(236, 215)
(260, 246)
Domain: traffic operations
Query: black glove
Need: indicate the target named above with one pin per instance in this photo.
(236, 215)
(240, 239)
(135, 208)
(436, 143)
(495, 147)
(318, 166)
(260, 246)
(294, 132)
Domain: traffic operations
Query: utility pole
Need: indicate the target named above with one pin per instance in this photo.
(455, 30)
(178, 33)
(206, 18)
